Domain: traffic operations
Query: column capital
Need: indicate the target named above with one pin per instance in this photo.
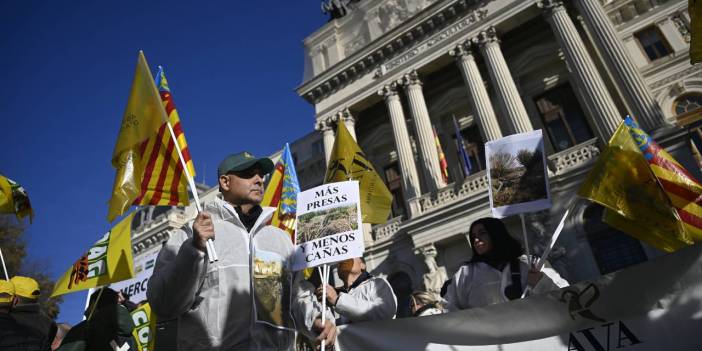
(550, 6)
(410, 78)
(324, 124)
(487, 37)
(461, 50)
(427, 251)
(344, 115)
(388, 90)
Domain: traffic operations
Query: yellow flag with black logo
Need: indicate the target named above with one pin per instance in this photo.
(144, 328)
(14, 199)
(634, 202)
(347, 162)
(109, 260)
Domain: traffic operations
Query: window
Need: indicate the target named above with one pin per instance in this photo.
(653, 43)
(613, 250)
(474, 146)
(563, 118)
(394, 182)
(688, 103)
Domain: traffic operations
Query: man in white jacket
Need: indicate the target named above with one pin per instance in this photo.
(249, 299)
(363, 296)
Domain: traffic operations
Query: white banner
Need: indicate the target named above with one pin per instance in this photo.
(136, 287)
(517, 174)
(329, 227)
(656, 305)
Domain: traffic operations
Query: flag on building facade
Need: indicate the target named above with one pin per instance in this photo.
(634, 202)
(442, 158)
(149, 170)
(14, 199)
(695, 11)
(347, 162)
(462, 154)
(281, 193)
(683, 190)
(144, 328)
(109, 260)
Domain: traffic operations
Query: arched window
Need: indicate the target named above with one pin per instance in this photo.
(687, 103)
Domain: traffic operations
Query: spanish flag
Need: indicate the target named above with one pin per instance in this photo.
(634, 202)
(281, 193)
(14, 199)
(442, 157)
(109, 260)
(347, 162)
(149, 168)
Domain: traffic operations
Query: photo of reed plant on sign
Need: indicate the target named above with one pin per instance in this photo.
(517, 174)
(315, 225)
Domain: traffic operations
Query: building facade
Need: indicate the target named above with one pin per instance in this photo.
(395, 70)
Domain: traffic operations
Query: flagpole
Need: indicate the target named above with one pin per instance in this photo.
(209, 244)
(7, 276)
(526, 240)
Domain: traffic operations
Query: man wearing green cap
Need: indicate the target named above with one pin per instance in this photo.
(249, 299)
(14, 336)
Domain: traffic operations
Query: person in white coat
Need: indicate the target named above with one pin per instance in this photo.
(498, 271)
(363, 297)
(247, 300)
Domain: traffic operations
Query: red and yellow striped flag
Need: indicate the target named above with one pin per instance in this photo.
(442, 158)
(149, 170)
(683, 190)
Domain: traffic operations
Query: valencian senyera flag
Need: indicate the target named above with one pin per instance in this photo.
(281, 193)
(149, 168)
(347, 162)
(442, 158)
(635, 203)
(683, 190)
(695, 11)
(109, 260)
(14, 199)
(144, 328)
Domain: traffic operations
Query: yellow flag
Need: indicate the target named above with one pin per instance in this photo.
(695, 11)
(144, 328)
(623, 183)
(14, 199)
(108, 261)
(347, 162)
(142, 119)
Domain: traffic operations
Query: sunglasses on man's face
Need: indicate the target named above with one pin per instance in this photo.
(249, 173)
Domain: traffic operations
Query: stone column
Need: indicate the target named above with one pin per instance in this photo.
(636, 92)
(593, 90)
(410, 180)
(516, 115)
(425, 134)
(327, 128)
(478, 96)
(349, 122)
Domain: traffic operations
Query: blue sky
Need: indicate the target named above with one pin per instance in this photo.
(65, 73)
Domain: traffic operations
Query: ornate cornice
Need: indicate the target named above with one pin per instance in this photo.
(419, 38)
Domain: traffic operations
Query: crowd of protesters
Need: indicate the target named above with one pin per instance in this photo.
(213, 305)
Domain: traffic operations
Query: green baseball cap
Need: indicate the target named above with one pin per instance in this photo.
(242, 161)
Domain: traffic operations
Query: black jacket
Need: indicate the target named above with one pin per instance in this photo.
(16, 337)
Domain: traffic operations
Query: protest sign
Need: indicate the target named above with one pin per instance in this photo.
(136, 287)
(328, 225)
(517, 174)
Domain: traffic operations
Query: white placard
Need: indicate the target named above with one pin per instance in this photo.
(329, 227)
(517, 175)
(136, 287)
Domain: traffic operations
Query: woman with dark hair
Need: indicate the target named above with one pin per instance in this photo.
(498, 270)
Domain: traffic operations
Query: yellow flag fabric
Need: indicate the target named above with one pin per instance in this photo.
(347, 162)
(695, 11)
(623, 183)
(14, 199)
(144, 328)
(149, 171)
(108, 261)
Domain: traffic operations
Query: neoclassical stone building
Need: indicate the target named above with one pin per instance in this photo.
(392, 70)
